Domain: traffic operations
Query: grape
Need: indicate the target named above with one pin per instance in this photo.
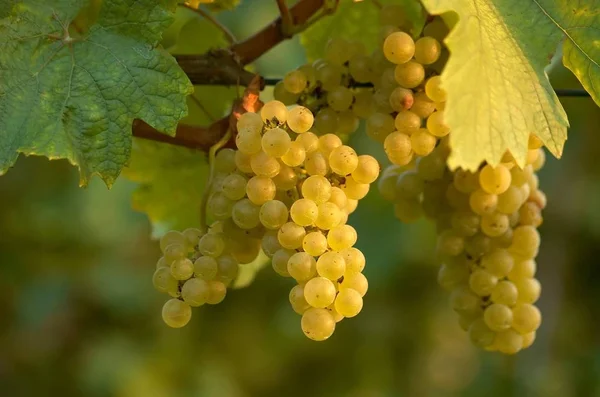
(286, 179)
(195, 292)
(519, 176)
(338, 197)
(276, 142)
(366, 171)
(422, 142)
(290, 235)
(409, 185)
(273, 214)
(342, 237)
(217, 292)
(280, 261)
(340, 98)
(163, 281)
(498, 317)
(348, 123)
(316, 164)
(328, 142)
(318, 324)
(495, 180)
(274, 113)
(354, 259)
(399, 47)
(451, 275)
(314, 243)
(407, 122)
(219, 206)
(249, 123)
(498, 262)
(172, 237)
(379, 126)
(528, 339)
(270, 244)
(295, 156)
(450, 243)
(343, 160)
(505, 293)
(211, 245)
(409, 74)
(326, 120)
(381, 100)
(434, 90)
(494, 224)
(530, 214)
(348, 302)
(300, 119)
(427, 50)
(182, 269)
(225, 161)
(408, 210)
(176, 314)
(422, 105)
(465, 181)
(360, 68)
(355, 190)
(480, 334)
(304, 212)
(331, 265)
(228, 267)
(206, 268)
(401, 99)
(245, 214)
(526, 242)
(301, 266)
(264, 165)
(510, 200)
(522, 269)
(260, 189)
(295, 81)
(329, 215)
(316, 188)
(234, 187)
(319, 292)
(397, 145)
(248, 142)
(296, 297)
(355, 281)
(162, 262)
(337, 51)
(508, 342)
(456, 199)
(465, 302)
(465, 223)
(483, 203)
(242, 162)
(436, 124)
(478, 245)
(283, 95)
(529, 290)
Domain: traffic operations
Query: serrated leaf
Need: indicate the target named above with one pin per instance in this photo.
(498, 91)
(357, 21)
(76, 99)
(172, 180)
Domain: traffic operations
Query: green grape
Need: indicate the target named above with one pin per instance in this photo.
(363, 105)
(397, 145)
(248, 142)
(211, 245)
(436, 124)
(465, 223)
(399, 47)
(296, 297)
(348, 123)
(270, 244)
(355, 281)
(285, 180)
(234, 187)
(162, 262)
(343, 160)
(276, 142)
(280, 261)
(379, 126)
(192, 236)
(480, 334)
(328, 216)
(519, 176)
(450, 243)
(465, 302)
(366, 171)
(206, 268)
(182, 269)
(407, 122)
(329, 75)
(244, 251)
(273, 214)
(427, 50)
(217, 292)
(530, 214)
(326, 120)
(172, 237)
(274, 113)
(498, 262)
(225, 161)
(465, 181)
(510, 200)
(338, 197)
(329, 142)
(316, 188)
(529, 290)
(228, 268)
(283, 95)
(360, 68)
(295, 156)
(348, 302)
(219, 206)
(508, 342)
(401, 99)
(316, 164)
(354, 259)
(300, 119)
(314, 243)
(318, 324)
(526, 318)
(422, 105)
(452, 274)
(295, 81)
(319, 292)
(290, 235)
(526, 242)
(409, 185)
(478, 245)
(409, 74)
(264, 165)
(498, 317)
(483, 203)
(260, 189)
(482, 282)
(250, 123)
(334, 313)
(455, 199)
(505, 293)
(432, 167)
(422, 142)
(176, 314)
(503, 241)
(242, 162)
(522, 269)
(408, 210)
(528, 339)
(304, 212)
(355, 190)
(163, 281)
(494, 224)
(434, 90)
(340, 98)
(301, 266)
(331, 265)
(245, 214)
(195, 292)
(494, 180)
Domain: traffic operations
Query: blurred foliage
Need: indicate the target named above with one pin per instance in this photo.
(78, 315)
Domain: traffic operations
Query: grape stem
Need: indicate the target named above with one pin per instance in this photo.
(287, 23)
(226, 32)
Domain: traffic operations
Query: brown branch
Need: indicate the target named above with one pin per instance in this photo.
(286, 18)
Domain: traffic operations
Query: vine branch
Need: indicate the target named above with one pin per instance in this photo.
(226, 32)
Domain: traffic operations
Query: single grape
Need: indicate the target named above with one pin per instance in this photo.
(367, 169)
(342, 237)
(300, 119)
(319, 292)
(329, 216)
(326, 120)
(343, 160)
(331, 265)
(316, 164)
(264, 165)
(195, 292)
(276, 142)
(280, 261)
(505, 293)
(228, 267)
(379, 126)
(176, 314)
(318, 324)
(354, 259)
(242, 162)
(423, 142)
(172, 237)
(248, 142)
(245, 214)
(409, 74)
(480, 334)
(260, 189)
(508, 342)
(314, 243)
(164, 281)
(436, 124)
(498, 262)
(355, 281)
(182, 269)
(217, 292)
(301, 266)
(526, 242)
(283, 95)
(297, 300)
(399, 47)
(338, 197)
(483, 203)
(340, 98)
(407, 122)
(498, 317)
(274, 113)
(348, 302)
(355, 190)
(206, 268)
(522, 269)
(295, 156)
(286, 179)
(427, 50)
(273, 214)
(304, 212)
(234, 186)
(529, 290)
(495, 180)
(295, 81)
(423, 106)
(401, 99)
(211, 245)
(316, 188)
(434, 90)
(290, 235)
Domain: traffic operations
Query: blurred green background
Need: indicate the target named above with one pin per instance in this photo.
(79, 316)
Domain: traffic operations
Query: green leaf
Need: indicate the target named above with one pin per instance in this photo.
(171, 180)
(354, 21)
(64, 96)
(498, 92)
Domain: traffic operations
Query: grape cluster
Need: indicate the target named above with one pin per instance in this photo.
(487, 221)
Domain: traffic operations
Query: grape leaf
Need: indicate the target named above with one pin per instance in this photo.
(498, 91)
(64, 96)
(357, 21)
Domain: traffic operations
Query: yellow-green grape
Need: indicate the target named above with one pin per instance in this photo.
(316, 188)
(505, 293)
(528, 339)
(182, 269)
(348, 123)
(290, 235)
(519, 176)
(530, 214)
(450, 243)
(260, 189)
(434, 90)
(510, 200)
(318, 324)
(408, 210)
(495, 180)
(539, 198)
(283, 95)
(217, 292)
(363, 105)
(407, 122)
(331, 265)
(401, 99)
(522, 269)
(342, 237)
(310, 73)
(228, 267)
(304, 212)
(526, 242)
(354, 259)
(195, 292)
(319, 292)
(297, 300)
(245, 214)
(162, 262)
(498, 317)
(498, 262)
(343, 160)
(248, 142)
(410, 74)
(494, 224)
(465, 302)
(280, 261)
(337, 51)
(432, 167)
(314, 243)
(300, 119)
(422, 106)
(456, 199)
(274, 113)
(264, 165)
(452, 274)
(436, 125)
(529, 290)
(482, 282)
(273, 214)
(276, 142)
(176, 314)
(478, 245)
(192, 236)
(399, 47)
(328, 216)
(539, 161)
(295, 156)
(316, 164)
(465, 181)
(225, 161)
(351, 206)
(270, 244)
(381, 100)
(219, 206)
(483, 203)
(338, 197)
(163, 281)
(526, 318)
(427, 50)
(508, 342)
(367, 169)
(301, 266)
(211, 245)
(348, 302)
(172, 237)
(340, 98)
(465, 223)
(355, 190)
(379, 126)
(409, 185)
(286, 179)
(326, 120)
(242, 162)
(234, 186)
(174, 252)
(295, 81)
(205, 268)
(480, 334)
(250, 123)
(355, 281)
(422, 142)
(334, 313)
(398, 148)
(360, 68)
(328, 142)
